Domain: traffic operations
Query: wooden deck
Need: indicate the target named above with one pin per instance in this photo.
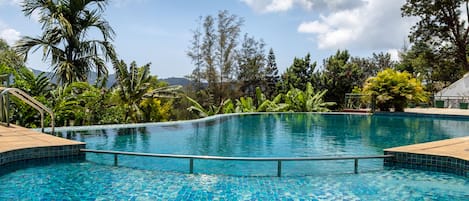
(16, 138)
(455, 148)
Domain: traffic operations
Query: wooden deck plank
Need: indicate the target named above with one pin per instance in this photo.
(455, 147)
(16, 137)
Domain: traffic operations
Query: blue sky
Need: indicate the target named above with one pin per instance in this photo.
(159, 31)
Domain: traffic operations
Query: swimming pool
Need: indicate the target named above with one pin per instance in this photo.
(267, 135)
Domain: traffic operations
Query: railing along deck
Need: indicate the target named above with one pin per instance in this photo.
(193, 157)
(5, 105)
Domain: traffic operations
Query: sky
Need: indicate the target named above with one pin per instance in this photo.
(160, 31)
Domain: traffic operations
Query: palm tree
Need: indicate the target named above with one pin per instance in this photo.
(135, 85)
(66, 25)
(131, 85)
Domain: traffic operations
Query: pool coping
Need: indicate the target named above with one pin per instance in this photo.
(20, 144)
(204, 119)
(450, 155)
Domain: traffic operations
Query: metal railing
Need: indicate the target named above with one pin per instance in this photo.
(4, 104)
(450, 101)
(194, 157)
(355, 101)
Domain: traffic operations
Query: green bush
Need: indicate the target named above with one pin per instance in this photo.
(394, 89)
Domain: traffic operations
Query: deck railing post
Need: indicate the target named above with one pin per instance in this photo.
(279, 168)
(115, 160)
(191, 166)
(355, 170)
(279, 160)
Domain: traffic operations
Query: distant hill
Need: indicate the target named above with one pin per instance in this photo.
(112, 79)
(177, 81)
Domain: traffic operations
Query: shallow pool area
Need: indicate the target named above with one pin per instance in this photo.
(90, 181)
(254, 135)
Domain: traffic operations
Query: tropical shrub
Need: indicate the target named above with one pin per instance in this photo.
(394, 89)
(308, 100)
(210, 110)
(295, 101)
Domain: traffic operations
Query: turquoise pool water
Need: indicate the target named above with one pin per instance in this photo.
(275, 135)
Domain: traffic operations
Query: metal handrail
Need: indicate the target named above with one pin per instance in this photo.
(192, 157)
(30, 101)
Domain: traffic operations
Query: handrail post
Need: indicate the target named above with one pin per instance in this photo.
(279, 168)
(191, 166)
(115, 160)
(52, 119)
(7, 111)
(355, 169)
(42, 121)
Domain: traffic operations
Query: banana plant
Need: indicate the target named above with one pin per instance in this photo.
(307, 101)
(205, 112)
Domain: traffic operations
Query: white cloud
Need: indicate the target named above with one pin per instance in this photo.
(394, 54)
(279, 5)
(313, 27)
(376, 24)
(267, 6)
(9, 35)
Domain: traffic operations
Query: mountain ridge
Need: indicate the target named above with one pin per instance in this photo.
(112, 79)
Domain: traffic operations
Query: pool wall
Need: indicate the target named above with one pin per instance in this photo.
(428, 162)
(65, 151)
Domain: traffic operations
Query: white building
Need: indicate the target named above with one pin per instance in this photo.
(455, 93)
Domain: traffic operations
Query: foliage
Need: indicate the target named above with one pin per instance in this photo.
(78, 103)
(298, 74)
(307, 100)
(394, 89)
(339, 77)
(155, 110)
(38, 87)
(65, 41)
(251, 62)
(442, 24)
(205, 112)
(8, 57)
(295, 100)
(213, 52)
(195, 53)
(138, 93)
(430, 65)
(374, 64)
(271, 75)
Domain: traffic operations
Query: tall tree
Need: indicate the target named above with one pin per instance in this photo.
(131, 86)
(298, 74)
(429, 65)
(372, 65)
(228, 30)
(442, 23)
(208, 51)
(8, 56)
(340, 75)
(65, 39)
(195, 53)
(271, 75)
(217, 41)
(251, 62)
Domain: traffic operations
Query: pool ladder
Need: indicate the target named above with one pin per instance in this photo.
(194, 157)
(5, 106)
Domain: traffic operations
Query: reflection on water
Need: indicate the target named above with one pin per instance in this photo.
(269, 135)
(276, 135)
